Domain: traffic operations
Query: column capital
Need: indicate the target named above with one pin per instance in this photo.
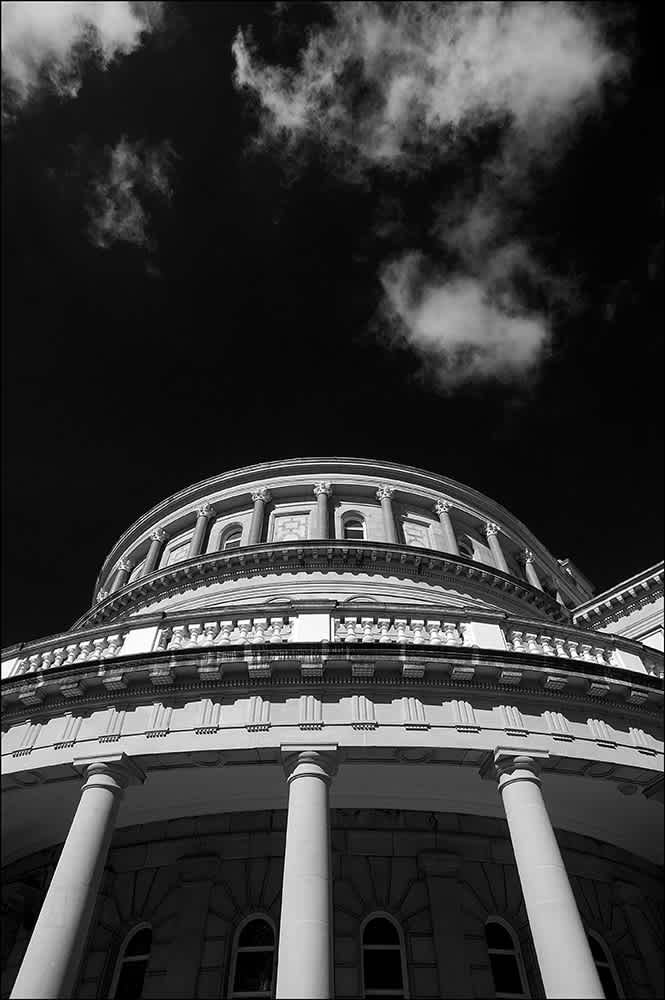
(322, 488)
(442, 506)
(159, 535)
(102, 595)
(503, 761)
(126, 565)
(491, 528)
(206, 510)
(527, 555)
(385, 492)
(262, 493)
(118, 767)
(439, 864)
(314, 760)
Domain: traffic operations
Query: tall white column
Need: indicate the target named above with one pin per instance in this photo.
(203, 516)
(122, 576)
(260, 497)
(53, 957)
(492, 532)
(530, 569)
(442, 508)
(385, 494)
(304, 964)
(564, 957)
(157, 540)
(322, 491)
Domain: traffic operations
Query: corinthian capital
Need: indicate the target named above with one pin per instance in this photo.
(442, 506)
(102, 595)
(205, 511)
(491, 529)
(126, 565)
(159, 535)
(321, 488)
(528, 555)
(263, 493)
(384, 492)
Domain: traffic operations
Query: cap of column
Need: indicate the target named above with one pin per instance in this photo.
(102, 595)
(205, 511)
(317, 761)
(125, 564)
(320, 488)
(159, 535)
(510, 759)
(491, 529)
(119, 767)
(442, 506)
(528, 555)
(263, 493)
(385, 492)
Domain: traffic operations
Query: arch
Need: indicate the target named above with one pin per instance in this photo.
(354, 526)
(383, 962)
(605, 967)
(252, 970)
(131, 964)
(505, 958)
(230, 537)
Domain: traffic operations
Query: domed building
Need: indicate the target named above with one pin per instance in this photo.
(337, 728)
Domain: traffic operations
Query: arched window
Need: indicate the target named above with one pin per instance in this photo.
(130, 968)
(505, 960)
(253, 962)
(384, 970)
(354, 528)
(231, 538)
(605, 967)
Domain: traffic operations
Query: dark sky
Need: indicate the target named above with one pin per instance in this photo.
(249, 332)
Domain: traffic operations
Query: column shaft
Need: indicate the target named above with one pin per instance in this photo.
(157, 540)
(564, 956)
(261, 498)
(304, 968)
(495, 547)
(122, 576)
(53, 956)
(384, 495)
(450, 541)
(203, 516)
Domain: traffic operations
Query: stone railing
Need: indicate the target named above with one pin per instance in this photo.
(101, 648)
(396, 629)
(225, 632)
(565, 648)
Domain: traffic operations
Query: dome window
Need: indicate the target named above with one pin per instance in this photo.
(383, 959)
(231, 538)
(354, 529)
(505, 960)
(605, 967)
(131, 966)
(253, 964)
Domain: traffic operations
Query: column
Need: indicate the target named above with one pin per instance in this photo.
(649, 949)
(322, 491)
(564, 957)
(492, 532)
(52, 960)
(384, 494)
(304, 964)
(260, 497)
(122, 576)
(445, 905)
(157, 540)
(442, 508)
(203, 516)
(531, 574)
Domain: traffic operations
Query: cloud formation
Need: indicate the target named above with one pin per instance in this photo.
(45, 44)
(134, 171)
(404, 88)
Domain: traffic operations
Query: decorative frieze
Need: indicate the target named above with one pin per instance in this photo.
(464, 717)
(70, 731)
(363, 714)
(210, 718)
(28, 740)
(160, 721)
(413, 714)
(258, 714)
(512, 720)
(601, 733)
(557, 726)
(311, 712)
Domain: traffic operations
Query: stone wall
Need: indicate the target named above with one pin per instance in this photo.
(439, 875)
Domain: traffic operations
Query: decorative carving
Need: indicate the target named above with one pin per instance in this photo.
(160, 722)
(206, 510)
(322, 489)
(363, 715)
(125, 565)
(527, 555)
(601, 733)
(263, 494)
(159, 535)
(102, 595)
(491, 529)
(385, 492)
(258, 715)
(442, 507)
(557, 725)
(311, 712)
(464, 717)
(413, 714)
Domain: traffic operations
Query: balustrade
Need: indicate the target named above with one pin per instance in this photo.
(546, 644)
(226, 632)
(86, 650)
(393, 629)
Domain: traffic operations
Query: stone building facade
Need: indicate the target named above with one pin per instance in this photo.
(336, 727)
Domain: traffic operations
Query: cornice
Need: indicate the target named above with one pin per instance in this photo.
(630, 595)
(326, 555)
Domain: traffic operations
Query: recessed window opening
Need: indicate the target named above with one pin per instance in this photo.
(384, 973)
(605, 967)
(253, 963)
(131, 966)
(465, 548)
(231, 538)
(505, 960)
(354, 529)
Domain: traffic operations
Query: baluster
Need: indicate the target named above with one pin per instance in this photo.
(515, 641)
(340, 630)
(98, 645)
(260, 625)
(532, 645)
(417, 626)
(560, 648)
(194, 634)
(115, 645)
(60, 655)
(546, 645)
(350, 629)
(35, 662)
(468, 637)
(384, 629)
(163, 639)
(224, 636)
(434, 629)
(276, 625)
(210, 630)
(367, 625)
(178, 637)
(573, 649)
(599, 655)
(585, 651)
(244, 628)
(451, 636)
(47, 659)
(400, 628)
(72, 652)
(288, 630)
(85, 648)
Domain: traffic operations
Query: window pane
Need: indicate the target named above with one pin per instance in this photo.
(140, 943)
(506, 974)
(130, 981)
(380, 931)
(253, 972)
(498, 937)
(607, 982)
(256, 932)
(354, 529)
(383, 970)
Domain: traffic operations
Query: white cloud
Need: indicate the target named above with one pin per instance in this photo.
(402, 87)
(46, 43)
(115, 209)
